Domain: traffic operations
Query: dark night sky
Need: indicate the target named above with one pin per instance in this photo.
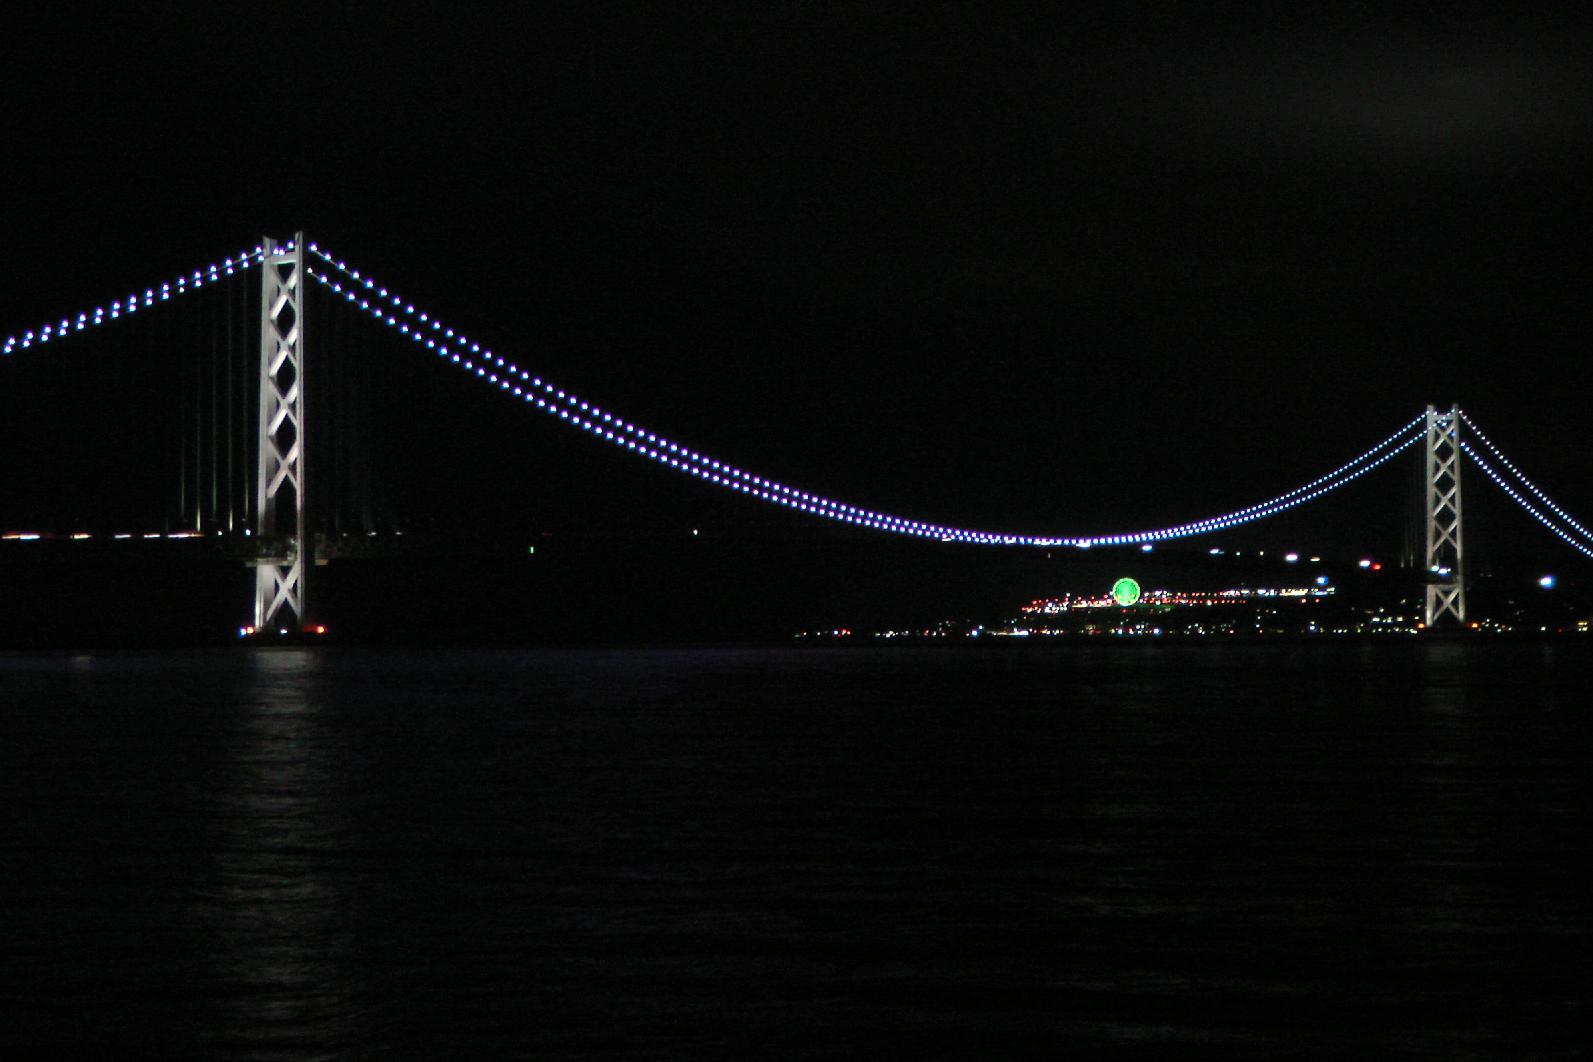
(1055, 274)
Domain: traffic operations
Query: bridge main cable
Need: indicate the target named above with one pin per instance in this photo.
(1521, 478)
(118, 308)
(1566, 527)
(366, 294)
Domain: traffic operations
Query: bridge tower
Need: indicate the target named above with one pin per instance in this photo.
(1445, 576)
(283, 555)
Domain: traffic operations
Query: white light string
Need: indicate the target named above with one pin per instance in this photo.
(1330, 482)
(393, 311)
(119, 308)
(364, 293)
(1528, 506)
(1521, 477)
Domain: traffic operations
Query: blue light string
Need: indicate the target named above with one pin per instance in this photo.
(1521, 477)
(1528, 506)
(1299, 496)
(1328, 482)
(119, 308)
(388, 308)
(364, 293)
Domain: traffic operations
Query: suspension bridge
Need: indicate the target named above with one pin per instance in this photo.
(263, 452)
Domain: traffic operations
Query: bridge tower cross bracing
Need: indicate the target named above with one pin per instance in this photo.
(1444, 571)
(284, 558)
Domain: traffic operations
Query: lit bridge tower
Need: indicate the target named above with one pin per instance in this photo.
(283, 550)
(1444, 574)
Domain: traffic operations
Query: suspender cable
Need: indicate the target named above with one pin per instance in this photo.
(199, 411)
(329, 371)
(246, 410)
(214, 435)
(229, 353)
(419, 327)
(180, 355)
(337, 361)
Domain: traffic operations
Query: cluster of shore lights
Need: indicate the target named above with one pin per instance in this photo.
(251, 631)
(1499, 480)
(1125, 597)
(85, 536)
(1532, 488)
(365, 293)
(119, 308)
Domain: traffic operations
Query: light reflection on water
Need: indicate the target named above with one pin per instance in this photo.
(281, 951)
(1243, 851)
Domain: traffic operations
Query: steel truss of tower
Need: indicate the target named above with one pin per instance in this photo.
(1446, 581)
(283, 547)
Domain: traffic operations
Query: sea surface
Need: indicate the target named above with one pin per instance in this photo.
(1331, 850)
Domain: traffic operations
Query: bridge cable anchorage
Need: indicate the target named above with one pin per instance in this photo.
(365, 293)
(119, 308)
(1500, 481)
(1521, 478)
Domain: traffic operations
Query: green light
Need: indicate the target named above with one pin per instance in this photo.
(530, 549)
(1125, 591)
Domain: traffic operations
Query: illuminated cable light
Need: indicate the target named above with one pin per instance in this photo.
(1531, 487)
(109, 312)
(695, 463)
(1528, 506)
(1270, 506)
(1262, 510)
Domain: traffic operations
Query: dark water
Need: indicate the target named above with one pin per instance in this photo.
(1302, 851)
